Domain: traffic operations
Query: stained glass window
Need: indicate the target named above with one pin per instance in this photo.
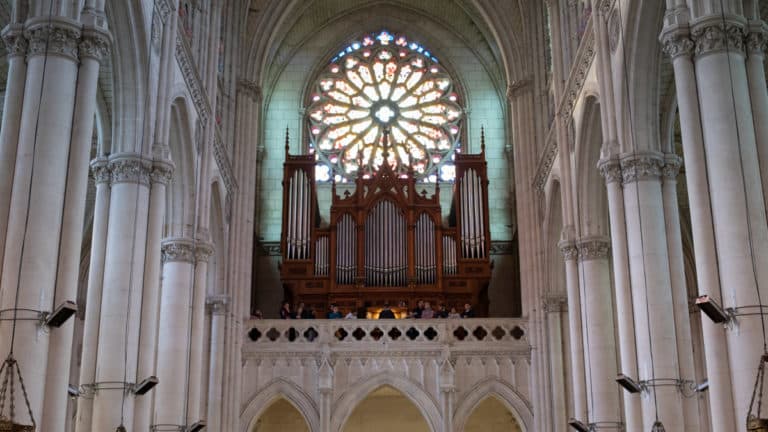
(384, 85)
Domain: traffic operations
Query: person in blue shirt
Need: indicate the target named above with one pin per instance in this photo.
(334, 313)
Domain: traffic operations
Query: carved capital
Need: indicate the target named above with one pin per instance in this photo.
(518, 87)
(250, 89)
(95, 44)
(130, 168)
(203, 251)
(592, 248)
(15, 43)
(100, 170)
(677, 42)
(757, 39)
(610, 169)
(178, 249)
(162, 171)
(568, 249)
(218, 304)
(671, 168)
(60, 37)
(641, 166)
(712, 35)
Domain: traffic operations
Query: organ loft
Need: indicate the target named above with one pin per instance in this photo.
(384, 238)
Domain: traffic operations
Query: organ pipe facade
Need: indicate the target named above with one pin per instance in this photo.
(386, 241)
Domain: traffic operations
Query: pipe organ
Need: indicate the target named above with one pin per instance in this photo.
(385, 240)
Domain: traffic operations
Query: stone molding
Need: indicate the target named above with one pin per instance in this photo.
(130, 168)
(16, 44)
(641, 166)
(614, 28)
(518, 88)
(592, 248)
(677, 42)
(225, 167)
(249, 88)
(578, 75)
(95, 44)
(162, 171)
(568, 249)
(554, 303)
(711, 35)
(671, 168)
(610, 169)
(178, 249)
(203, 251)
(188, 68)
(61, 37)
(546, 161)
(100, 170)
(218, 304)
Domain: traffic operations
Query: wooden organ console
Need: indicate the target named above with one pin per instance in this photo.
(386, 241)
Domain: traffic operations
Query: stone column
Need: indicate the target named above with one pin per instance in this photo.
(122, 292)
(93, 47)
(16, 45)
(325, 387)
(679, 291)
(611, 171)
(219, 306)
(651, 288)
(173, 341)
(203, 251)
(578, 380)
(604, 411)
(37, 201)
(102, 175)
(555, 306)
(162, 172)
(679, 47)
(756, 45)
(738, 209)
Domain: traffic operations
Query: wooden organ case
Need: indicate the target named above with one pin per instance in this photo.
(386, 241)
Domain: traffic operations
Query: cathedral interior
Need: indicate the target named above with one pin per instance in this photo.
(375, 215)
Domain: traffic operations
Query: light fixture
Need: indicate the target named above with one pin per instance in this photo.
(713, 310)
(703, 386)
(73, 391)
(658, 427)
(578, 425)
(120, 428)
(61, 314)
(628, 383)
(196, 427)
(145, 386)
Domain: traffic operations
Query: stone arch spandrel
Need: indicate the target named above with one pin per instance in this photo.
(359, 390)
(515, 403)
(280, 388)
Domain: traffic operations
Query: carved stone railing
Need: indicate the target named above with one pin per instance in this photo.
(502, 333)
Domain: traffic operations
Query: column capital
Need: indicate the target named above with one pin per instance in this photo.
(568, 249)
(555, 303)
(218, 304)
(59, 35)
(203, 251)
(162, 171)
(130, 168)
(757, 38)
(518, 87)
(712, 35)
(250, 89)
(95, 43)
(100, 170)
(671, 168)
(592, 248)
(641, 166)
(677, 42)
(15, 42)
(178, 249)
(610, 169)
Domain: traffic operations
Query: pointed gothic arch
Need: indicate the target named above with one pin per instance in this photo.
(280, 388)
(514, 402)
(360, 390)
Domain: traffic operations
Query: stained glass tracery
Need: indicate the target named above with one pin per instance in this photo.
(384, 85)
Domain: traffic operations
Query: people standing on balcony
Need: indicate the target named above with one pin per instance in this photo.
(468, 312)
(419, 308)
(427, 313)
(285, 311)
(306, 312)
(441, 312)
(334, 312)
(386, 312)
(454, 313)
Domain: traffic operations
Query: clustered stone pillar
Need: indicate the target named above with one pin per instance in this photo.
(203, 251)
(611, 171)
(604, 411)
(218, 306)
(578, 380)
(119, 322)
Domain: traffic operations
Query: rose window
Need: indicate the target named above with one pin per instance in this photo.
(384, 85)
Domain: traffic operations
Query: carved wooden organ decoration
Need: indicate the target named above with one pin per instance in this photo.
(385, 240)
